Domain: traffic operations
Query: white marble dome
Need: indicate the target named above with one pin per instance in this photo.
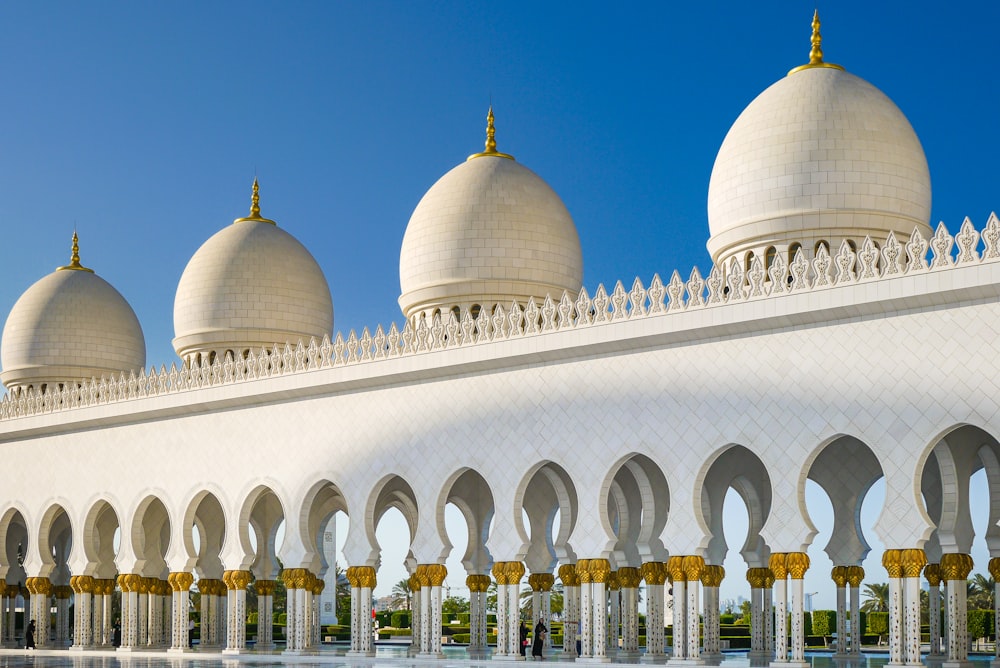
(821, 155)
(69, 327)
(250, 286)
(490, 231)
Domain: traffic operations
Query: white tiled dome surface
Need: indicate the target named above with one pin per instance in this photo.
(818, 141)
(489, 231)
(70, 326)
(250, 285)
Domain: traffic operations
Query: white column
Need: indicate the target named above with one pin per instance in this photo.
(367, 647)
(236, 611)
(547, 616)
(712, 644)
(614, 620)
(840, 579)
(12, 593)
(82, 621)
(680, 645)
(955, 568)
(995, 572)
(654, 574)
(433, 618)
(62, 616)
(514, 610)
(180, 597)
(767, 600)
(571, 610)
(691, 617)
(40, 613)
(895, 619)
(911, 620)
(758, 647)
(598, 598)
(780, 619)
(934, 615)
(130, 601)
(416, 601)
(856, 630)
(265, 611)
(426, 626)
(477, 584)
(630, 616)
(586, 613)
(798, 622)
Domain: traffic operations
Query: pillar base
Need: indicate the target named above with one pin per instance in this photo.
(593, 659)
(430, 655)
(686, 662)
(358, 653)
(179, 650)
(234, 650)
(627, 657)
(957, 664)
(300, 652)
(653, 658)
(795, 664)
(502, 657)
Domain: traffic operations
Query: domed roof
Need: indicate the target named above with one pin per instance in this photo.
(251, 285)
(69, 327)
(490, 231)
(819, 155)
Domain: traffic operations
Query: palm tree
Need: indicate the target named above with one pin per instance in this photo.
(980, 592)
(401, 595)
(877, 597)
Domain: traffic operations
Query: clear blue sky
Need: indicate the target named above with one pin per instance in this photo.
(142, 124)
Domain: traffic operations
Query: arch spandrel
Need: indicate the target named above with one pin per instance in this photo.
(735, 467)
(544, 484)
(55, 533)
(13, 532)
(322, 500)
(636, 490)
(392, 491)
(845, 467)
(469, 491)
(99, 526)
(144, 553)
(262, 510)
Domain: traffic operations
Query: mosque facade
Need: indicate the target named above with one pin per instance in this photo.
(838, 338)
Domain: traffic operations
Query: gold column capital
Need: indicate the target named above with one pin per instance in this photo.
(855, 575)
(798, 564)
(583, 571)
(236, 580)
(713, 576)
(778, 565)
(675, 568)
(956, 566)
(839, 576)
(892, 560)
(478, 582)
(436, 573)
(629, 577)
(612, 583)
(994, 568)
(913, 561)
(932, 572)
(265, 587)
(569, 576)
(499, 572)
(599, 569)
(366, 576)
(693, 566)
(654, 572)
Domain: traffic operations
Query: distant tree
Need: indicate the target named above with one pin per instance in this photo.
(401, 595)
(878, 623)
(980, 592)
(453, 606)
(744, 614)
(876, 597)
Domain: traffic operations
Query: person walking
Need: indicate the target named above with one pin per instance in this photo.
(539, 640)
(29, 635)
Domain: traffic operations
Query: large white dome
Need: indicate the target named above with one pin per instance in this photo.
(490, 231)
(69, 327)
(821, 155)
(251, 285)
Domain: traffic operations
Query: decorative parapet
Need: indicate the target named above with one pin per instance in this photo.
(724, 285)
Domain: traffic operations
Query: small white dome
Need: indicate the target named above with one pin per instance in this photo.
(251, 285)
(69, 327)
(490, 231)
(821, 155)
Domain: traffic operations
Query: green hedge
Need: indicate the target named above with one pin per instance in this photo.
(824, 622)
(400, 619)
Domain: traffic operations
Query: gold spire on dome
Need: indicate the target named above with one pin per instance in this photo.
(491, 142)
(816, 53)
(255, 207)
(74, 258)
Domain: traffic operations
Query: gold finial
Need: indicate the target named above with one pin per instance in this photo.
(74, 258)
(491, 142)
(255, 207)
(816, 53)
